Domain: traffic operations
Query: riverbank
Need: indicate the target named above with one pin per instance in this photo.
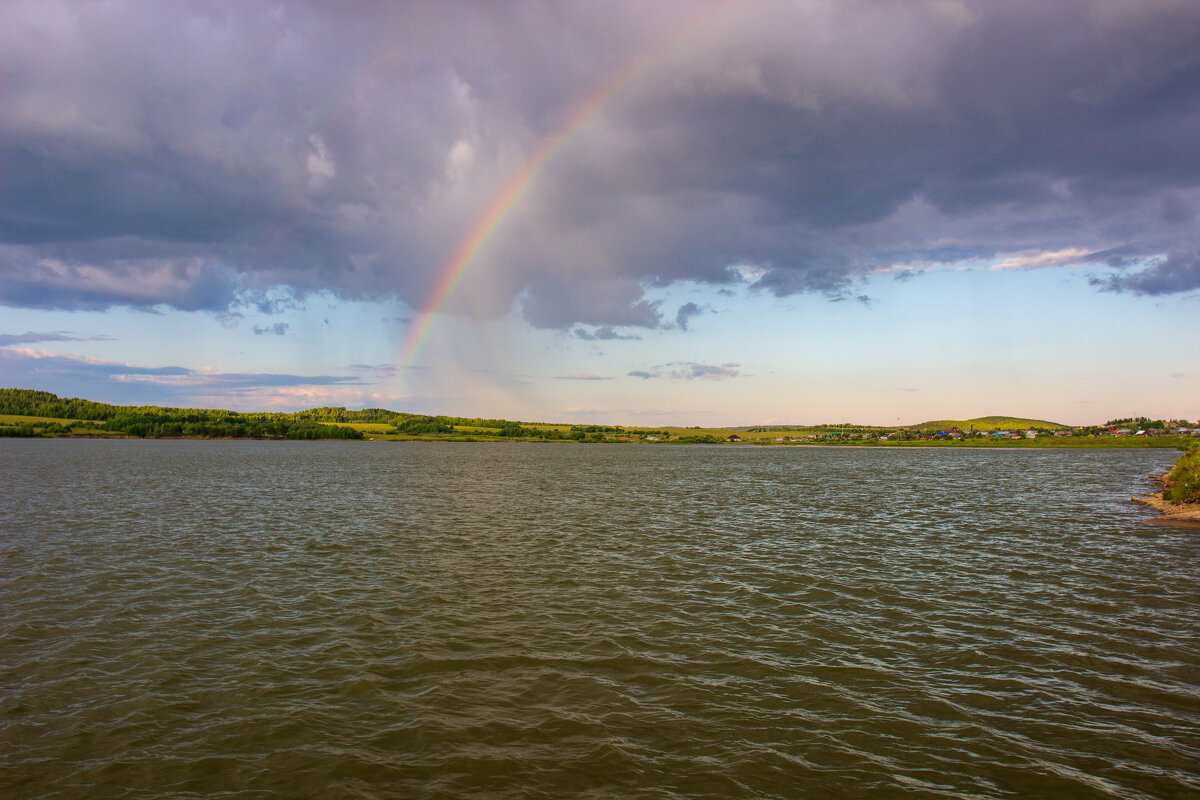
(1177, 498)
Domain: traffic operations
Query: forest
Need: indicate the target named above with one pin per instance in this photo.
(46, 414)
(156, 422)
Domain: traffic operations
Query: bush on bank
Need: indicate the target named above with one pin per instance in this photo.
(1183, 484)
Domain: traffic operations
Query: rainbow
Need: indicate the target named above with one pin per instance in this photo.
(510, 196)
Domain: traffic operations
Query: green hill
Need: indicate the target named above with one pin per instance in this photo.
(989, 424)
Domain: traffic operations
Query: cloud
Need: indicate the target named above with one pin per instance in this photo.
(1071, 256)
(379, 370)
(195, 155)
(118, 382)
(685, 314)
(1177, 273)
(321, 167)
(716, 372)
(582, 376)
(690, 371)
(554, 303)
(602, 333)
(53, 336)
(278, 329)
(47, 282)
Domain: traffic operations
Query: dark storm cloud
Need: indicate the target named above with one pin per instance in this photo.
(278, 329)
(196, 155)
(31, 279)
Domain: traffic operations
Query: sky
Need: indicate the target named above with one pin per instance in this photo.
(728, 212)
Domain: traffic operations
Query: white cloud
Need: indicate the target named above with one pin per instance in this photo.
(1043, 259)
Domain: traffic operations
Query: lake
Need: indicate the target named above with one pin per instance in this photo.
(274, 619)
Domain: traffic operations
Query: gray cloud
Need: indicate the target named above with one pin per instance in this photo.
(33, 277)
(53, 336)
(1178, 272)
(602, 333)
(109, 381)
(685, 314)
(278, 329)
(378, 370)
(689, 371)
(717, 372)
(195, 155)
(580, 376)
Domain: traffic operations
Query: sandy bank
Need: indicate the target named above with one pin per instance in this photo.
(1172, 513)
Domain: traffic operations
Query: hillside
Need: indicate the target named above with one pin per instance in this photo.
(989, 424)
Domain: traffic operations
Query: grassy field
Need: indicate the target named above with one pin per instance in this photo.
(14, 419)
(368, 428)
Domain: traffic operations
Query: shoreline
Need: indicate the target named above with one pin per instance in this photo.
(1187, 514)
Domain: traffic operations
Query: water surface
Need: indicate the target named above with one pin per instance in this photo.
(276, 619)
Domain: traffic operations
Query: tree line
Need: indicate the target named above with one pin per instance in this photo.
(155, 422)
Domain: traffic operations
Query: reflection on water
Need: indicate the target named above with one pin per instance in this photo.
(256, 619)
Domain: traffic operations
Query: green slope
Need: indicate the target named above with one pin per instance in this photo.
(989, 424)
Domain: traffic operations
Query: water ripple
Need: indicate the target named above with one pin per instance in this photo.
(253, 620)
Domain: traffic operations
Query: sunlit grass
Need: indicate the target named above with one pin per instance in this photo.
(17, 419)
(1183, 484)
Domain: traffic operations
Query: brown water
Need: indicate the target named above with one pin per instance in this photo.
(258, 619)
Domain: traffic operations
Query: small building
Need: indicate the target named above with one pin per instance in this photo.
(733, 437)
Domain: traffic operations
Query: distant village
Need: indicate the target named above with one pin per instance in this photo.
(1133, 427)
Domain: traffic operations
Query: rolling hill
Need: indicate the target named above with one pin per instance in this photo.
(988, 424)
